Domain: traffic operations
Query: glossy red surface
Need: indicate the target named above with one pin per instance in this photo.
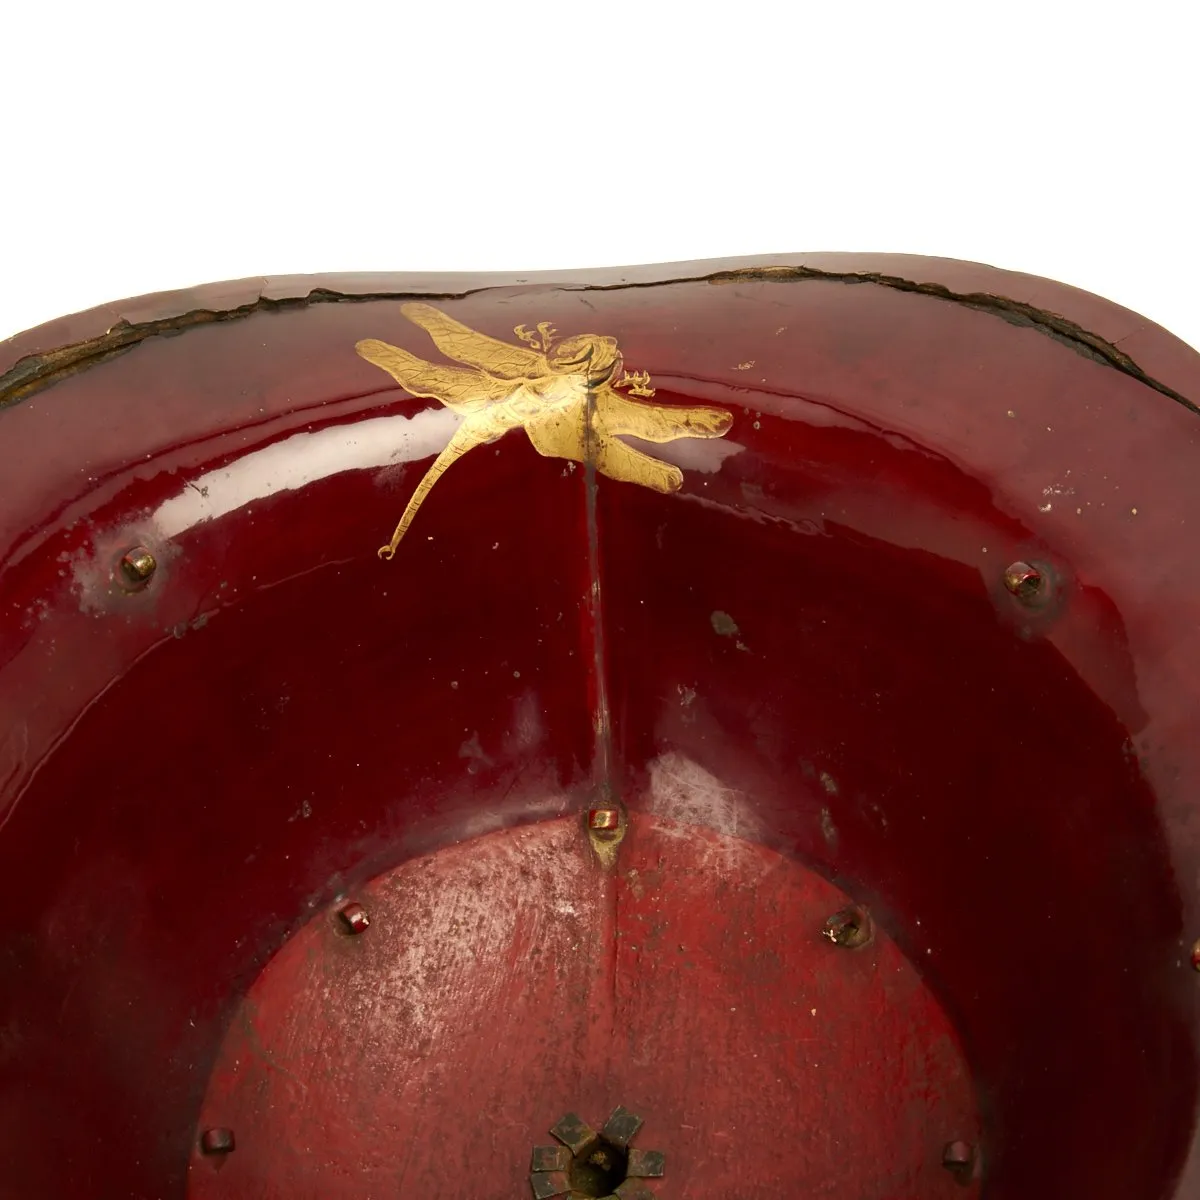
(809, 650)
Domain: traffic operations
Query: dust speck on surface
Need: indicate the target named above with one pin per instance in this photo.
(473, 751)
(828, 828)
(302, 813)
(724, 624)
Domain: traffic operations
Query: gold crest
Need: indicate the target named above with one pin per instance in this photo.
(564, 392)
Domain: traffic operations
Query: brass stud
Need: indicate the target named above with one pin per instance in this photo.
(137, 566)
(1025, 581)
(217, 1141)
(959, 1159)
(604, 820)
(851, 928)
(354, 918)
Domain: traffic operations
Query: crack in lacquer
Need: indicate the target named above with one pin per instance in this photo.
(35, 372)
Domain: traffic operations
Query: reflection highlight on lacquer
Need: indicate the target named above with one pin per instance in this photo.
(564, 392)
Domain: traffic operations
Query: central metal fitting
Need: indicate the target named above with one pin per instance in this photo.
(600, 1165)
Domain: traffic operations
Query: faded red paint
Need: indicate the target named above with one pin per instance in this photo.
(509, 979)
(811, 658)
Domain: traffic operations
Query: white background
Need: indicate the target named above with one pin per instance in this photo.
(152, 146)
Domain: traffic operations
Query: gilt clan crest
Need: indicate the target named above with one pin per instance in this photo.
(565, 392)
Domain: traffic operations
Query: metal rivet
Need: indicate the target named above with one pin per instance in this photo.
(1024, 581)
(849, 928)
(217, 1141)
(137, 566)
(604, 820)
(959, 1158)
(354, 918)
(1196, 956)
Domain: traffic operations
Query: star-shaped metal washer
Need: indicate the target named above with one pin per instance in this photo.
(590, 1165)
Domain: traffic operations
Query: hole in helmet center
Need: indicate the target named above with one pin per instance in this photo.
(599, 1171)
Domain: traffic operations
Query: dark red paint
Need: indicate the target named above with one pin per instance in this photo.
(810, 653)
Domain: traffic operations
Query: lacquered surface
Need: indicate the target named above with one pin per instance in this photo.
(816, 621)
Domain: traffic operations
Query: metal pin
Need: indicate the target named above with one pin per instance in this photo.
(217, 1141)
(137, 566)
(354, 918)
(1024, 581)
(850, 928)
(604, 820)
